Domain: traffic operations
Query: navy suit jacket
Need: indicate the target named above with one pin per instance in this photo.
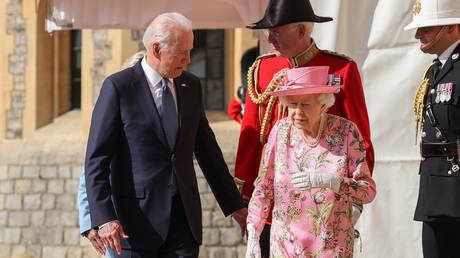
(129, 165)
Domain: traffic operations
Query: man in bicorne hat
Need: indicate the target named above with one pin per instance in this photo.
(437, 110)
(289, 24)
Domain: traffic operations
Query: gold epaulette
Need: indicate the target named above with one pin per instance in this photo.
(419, 99)
(338, 55)
(266, 56)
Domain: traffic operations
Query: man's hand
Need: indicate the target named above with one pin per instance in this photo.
(110, 235)
(93, 237)
(240, 217)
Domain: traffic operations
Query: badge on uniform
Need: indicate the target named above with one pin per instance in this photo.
(444, 92)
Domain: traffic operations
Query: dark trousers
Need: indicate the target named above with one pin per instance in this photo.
(179, 243)
(441, 239)
(264, 241)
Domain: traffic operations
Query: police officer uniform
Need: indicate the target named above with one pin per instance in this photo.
(437, 108)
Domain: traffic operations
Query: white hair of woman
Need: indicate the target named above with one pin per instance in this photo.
(326, 99)
(160, 31)
(132, 60)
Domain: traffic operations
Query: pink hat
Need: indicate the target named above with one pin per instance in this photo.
(307, 80)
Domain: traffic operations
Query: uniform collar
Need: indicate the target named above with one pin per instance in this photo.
(448, 52)
(305, 56)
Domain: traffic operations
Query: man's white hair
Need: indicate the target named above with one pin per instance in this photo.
(326, 99)
(308, 26)
(160, 29)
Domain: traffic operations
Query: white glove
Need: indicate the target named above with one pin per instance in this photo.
(253, 247)
(308, 179)
(355, 214)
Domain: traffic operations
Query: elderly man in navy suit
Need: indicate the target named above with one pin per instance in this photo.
(147, 124)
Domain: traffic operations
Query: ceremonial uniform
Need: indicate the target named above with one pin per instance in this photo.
(258, 117)
(437, 110)
(438, 204)
(439, 196)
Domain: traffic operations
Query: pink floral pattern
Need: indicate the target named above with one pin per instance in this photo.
(317, 222)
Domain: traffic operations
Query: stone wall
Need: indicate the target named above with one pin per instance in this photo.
(17, 61)
(102, 53)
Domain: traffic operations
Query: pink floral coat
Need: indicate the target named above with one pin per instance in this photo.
(316, 222)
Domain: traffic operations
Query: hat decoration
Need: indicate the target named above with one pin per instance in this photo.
(307, 80)
(427, 13)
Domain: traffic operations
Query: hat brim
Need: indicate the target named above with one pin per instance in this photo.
(311, 89)
(266, 23)
(432, 22)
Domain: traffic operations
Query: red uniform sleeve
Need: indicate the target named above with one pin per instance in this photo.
(249, 149)
(234, 110)
(350, 104)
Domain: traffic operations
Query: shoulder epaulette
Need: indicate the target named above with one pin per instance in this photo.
(338, 55)
(265, 56)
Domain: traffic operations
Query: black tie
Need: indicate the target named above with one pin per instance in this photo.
(436, 68)
(168, 114)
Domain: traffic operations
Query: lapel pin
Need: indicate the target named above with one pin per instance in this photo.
(455, 56)
(183, 85)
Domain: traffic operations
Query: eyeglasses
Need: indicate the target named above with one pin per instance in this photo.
(279, 32)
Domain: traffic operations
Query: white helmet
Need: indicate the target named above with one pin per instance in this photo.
(427, 13)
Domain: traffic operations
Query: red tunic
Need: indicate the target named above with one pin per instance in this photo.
(349, 103)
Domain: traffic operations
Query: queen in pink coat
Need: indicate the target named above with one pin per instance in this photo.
(313, 171)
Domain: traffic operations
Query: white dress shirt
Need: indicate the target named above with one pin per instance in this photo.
(154, 81)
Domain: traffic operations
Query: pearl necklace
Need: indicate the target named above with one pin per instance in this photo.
(315, 141)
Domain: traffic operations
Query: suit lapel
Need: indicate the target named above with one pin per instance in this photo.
(148, 103)
(448, 65)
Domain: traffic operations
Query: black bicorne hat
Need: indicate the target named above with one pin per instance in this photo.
(281, 12)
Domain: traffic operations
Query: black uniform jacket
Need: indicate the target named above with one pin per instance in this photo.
(439, 194)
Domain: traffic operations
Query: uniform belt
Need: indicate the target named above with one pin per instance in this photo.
(442, 149)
